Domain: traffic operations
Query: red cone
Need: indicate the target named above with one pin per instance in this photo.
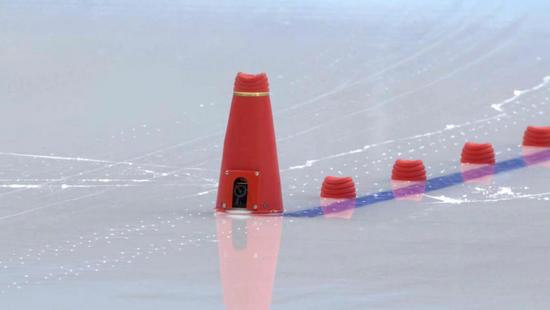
(478, 153)
(408, 170)
(338, 188)
(537, 136)
(338, 197)
(249, 178)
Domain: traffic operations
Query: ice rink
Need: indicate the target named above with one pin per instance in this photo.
(112, 123)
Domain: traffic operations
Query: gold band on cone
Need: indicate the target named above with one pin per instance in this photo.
(245, 94)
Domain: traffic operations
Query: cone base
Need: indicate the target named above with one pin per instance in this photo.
(248, 212)
(250, 200)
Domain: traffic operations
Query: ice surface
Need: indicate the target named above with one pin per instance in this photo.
(111, 127)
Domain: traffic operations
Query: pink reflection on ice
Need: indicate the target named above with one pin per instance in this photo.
(478, 173)
(338, 208)
(248, 249)
(536, 155)
(408, 190)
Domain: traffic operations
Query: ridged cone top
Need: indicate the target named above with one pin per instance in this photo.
(251, 83)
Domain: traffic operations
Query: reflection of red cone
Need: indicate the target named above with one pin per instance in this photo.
(408, 170)
(477, 173)
(536, 155)
(338, 208)
(249, 178)
(537, 136)
(407, 190)
(478, 153)
(248, 249)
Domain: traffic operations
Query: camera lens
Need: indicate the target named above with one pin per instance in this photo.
(240, 191)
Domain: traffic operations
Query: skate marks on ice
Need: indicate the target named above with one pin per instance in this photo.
(496, 106)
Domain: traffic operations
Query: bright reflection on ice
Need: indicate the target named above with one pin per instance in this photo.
(248, 249)
(238, 211)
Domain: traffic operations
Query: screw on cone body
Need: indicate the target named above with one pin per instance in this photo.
(248, 249)
(537, 136)
(408, 170)
(478, 153)
(249, 178)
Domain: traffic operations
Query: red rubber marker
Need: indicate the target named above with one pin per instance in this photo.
(478, 153)
(536, 140)
(408, 170)
(338, 188)
(249, 178)
(537, 136)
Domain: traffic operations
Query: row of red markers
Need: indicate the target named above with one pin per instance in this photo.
(473, 154)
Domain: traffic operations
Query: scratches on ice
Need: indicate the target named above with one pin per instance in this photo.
(210, 183)
(501, 194)
(409, 92)
(51, 205)
(66, 186)
(444, 36)
(114, 164)
(62, 186)
(80, 159)
(447, 200)
(310, 163)
(78, 180)
(194, 195)
(335, 90)
(519, 93)
(497, 106)
(19, 186)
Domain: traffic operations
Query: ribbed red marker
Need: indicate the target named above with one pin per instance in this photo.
(478, 153)
(537, 136)
(408, 170)
(249, 178)
(338, 188)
